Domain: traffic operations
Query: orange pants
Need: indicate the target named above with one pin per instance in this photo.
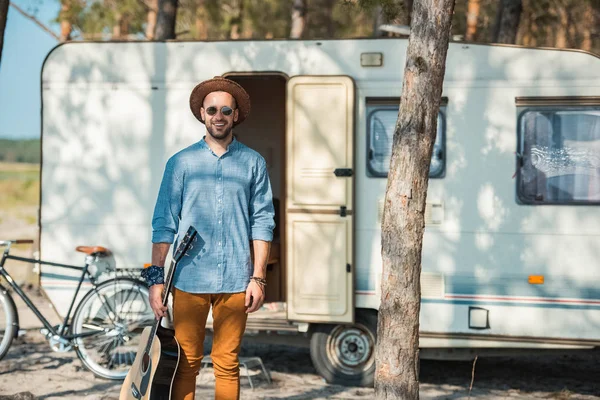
(190, 312)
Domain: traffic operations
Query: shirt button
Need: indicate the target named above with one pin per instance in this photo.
(219, 178)
(219, 243)
(219, 222)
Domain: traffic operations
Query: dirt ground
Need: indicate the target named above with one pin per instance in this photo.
(33, 370)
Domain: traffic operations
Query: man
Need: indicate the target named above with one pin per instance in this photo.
(222, 188)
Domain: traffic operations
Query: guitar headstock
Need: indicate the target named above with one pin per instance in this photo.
(185, 244)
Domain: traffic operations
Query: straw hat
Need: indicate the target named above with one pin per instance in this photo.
(219, 84)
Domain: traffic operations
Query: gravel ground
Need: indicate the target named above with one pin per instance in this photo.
(33, 370)
(32, 367)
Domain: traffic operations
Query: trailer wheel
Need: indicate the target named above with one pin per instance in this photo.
(345, 354)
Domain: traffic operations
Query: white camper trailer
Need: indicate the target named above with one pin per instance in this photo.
(511, 256)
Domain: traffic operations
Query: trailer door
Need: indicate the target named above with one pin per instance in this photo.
(319, 199)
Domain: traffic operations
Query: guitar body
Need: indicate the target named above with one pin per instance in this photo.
(152, 373)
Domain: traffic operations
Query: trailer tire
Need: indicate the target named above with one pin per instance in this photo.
(345, 354)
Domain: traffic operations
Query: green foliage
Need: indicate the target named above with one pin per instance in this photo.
(390, 9)
(20, 151)
(269, 18)
(99, 16)
(549, 23)
(19, 185)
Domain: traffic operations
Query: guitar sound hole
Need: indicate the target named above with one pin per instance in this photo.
(145, 363)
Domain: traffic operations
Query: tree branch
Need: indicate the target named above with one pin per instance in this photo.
(35, 20)
(148, 6)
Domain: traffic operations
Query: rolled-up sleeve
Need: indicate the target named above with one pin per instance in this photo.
(167, 212)
(262, 212)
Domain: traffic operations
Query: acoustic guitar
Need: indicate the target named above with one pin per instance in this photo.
(151, 375)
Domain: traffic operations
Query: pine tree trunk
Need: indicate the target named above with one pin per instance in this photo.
(151, 19)
(3, 18)
(588, 21)
(65, 21)
(121, 28)
(378, 20)
(561, 29)
(165, 22)
(236, 21)
(116, 31)
(508, 21)
(298, 19)
(397, 352)
(473, 8)
(201, 15)
(408, 9)
(330, 32)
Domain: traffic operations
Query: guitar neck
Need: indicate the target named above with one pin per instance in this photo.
(165, 299)
(181, 250)
(169, 282)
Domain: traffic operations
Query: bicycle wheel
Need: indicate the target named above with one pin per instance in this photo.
(8, 321)
(118, 310)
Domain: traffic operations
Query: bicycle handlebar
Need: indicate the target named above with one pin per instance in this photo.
(17, 241)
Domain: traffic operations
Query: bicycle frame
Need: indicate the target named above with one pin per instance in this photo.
(36, 311)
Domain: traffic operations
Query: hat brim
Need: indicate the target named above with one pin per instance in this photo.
(219, 84)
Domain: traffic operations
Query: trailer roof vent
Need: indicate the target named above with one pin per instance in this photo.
(371, 59)
(432, 285)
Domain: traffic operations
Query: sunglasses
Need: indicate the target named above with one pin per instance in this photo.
(227, 111)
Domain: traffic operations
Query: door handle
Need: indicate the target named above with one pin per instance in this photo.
(342, 172)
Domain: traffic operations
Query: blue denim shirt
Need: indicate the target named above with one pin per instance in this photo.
(228, 200)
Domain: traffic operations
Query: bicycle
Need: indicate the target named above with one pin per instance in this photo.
(107, 322)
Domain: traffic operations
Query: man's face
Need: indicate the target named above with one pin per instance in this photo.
(218, 124)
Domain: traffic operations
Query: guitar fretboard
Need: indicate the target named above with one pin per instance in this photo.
(183, 247)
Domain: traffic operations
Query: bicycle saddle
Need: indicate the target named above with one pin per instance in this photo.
(93, 250)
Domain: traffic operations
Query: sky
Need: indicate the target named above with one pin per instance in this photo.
(25, 48)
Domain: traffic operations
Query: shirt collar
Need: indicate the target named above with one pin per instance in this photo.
(232, 146)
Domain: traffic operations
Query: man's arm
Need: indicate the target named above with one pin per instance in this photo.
(165, 223)
(261, 232)
(261, 255)
(255, 293)
(159, 255)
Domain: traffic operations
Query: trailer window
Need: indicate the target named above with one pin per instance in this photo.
(558, 158)
(381, 123)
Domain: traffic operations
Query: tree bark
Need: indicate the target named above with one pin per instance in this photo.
(378, 20)
(3, 19)
(560, 30)
(473, 8)
(201, 15)
(151, 19)
(588, 25)
(165, 22)
(65, 21)
(397, 352)
(121, 27)
(236, 21)
(298, 19)
(330, 23)
(408, 9)
(509, 16)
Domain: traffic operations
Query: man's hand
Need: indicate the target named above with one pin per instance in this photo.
(254, 297)
(156, 301)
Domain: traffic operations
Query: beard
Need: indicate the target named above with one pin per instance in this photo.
(219, 134)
